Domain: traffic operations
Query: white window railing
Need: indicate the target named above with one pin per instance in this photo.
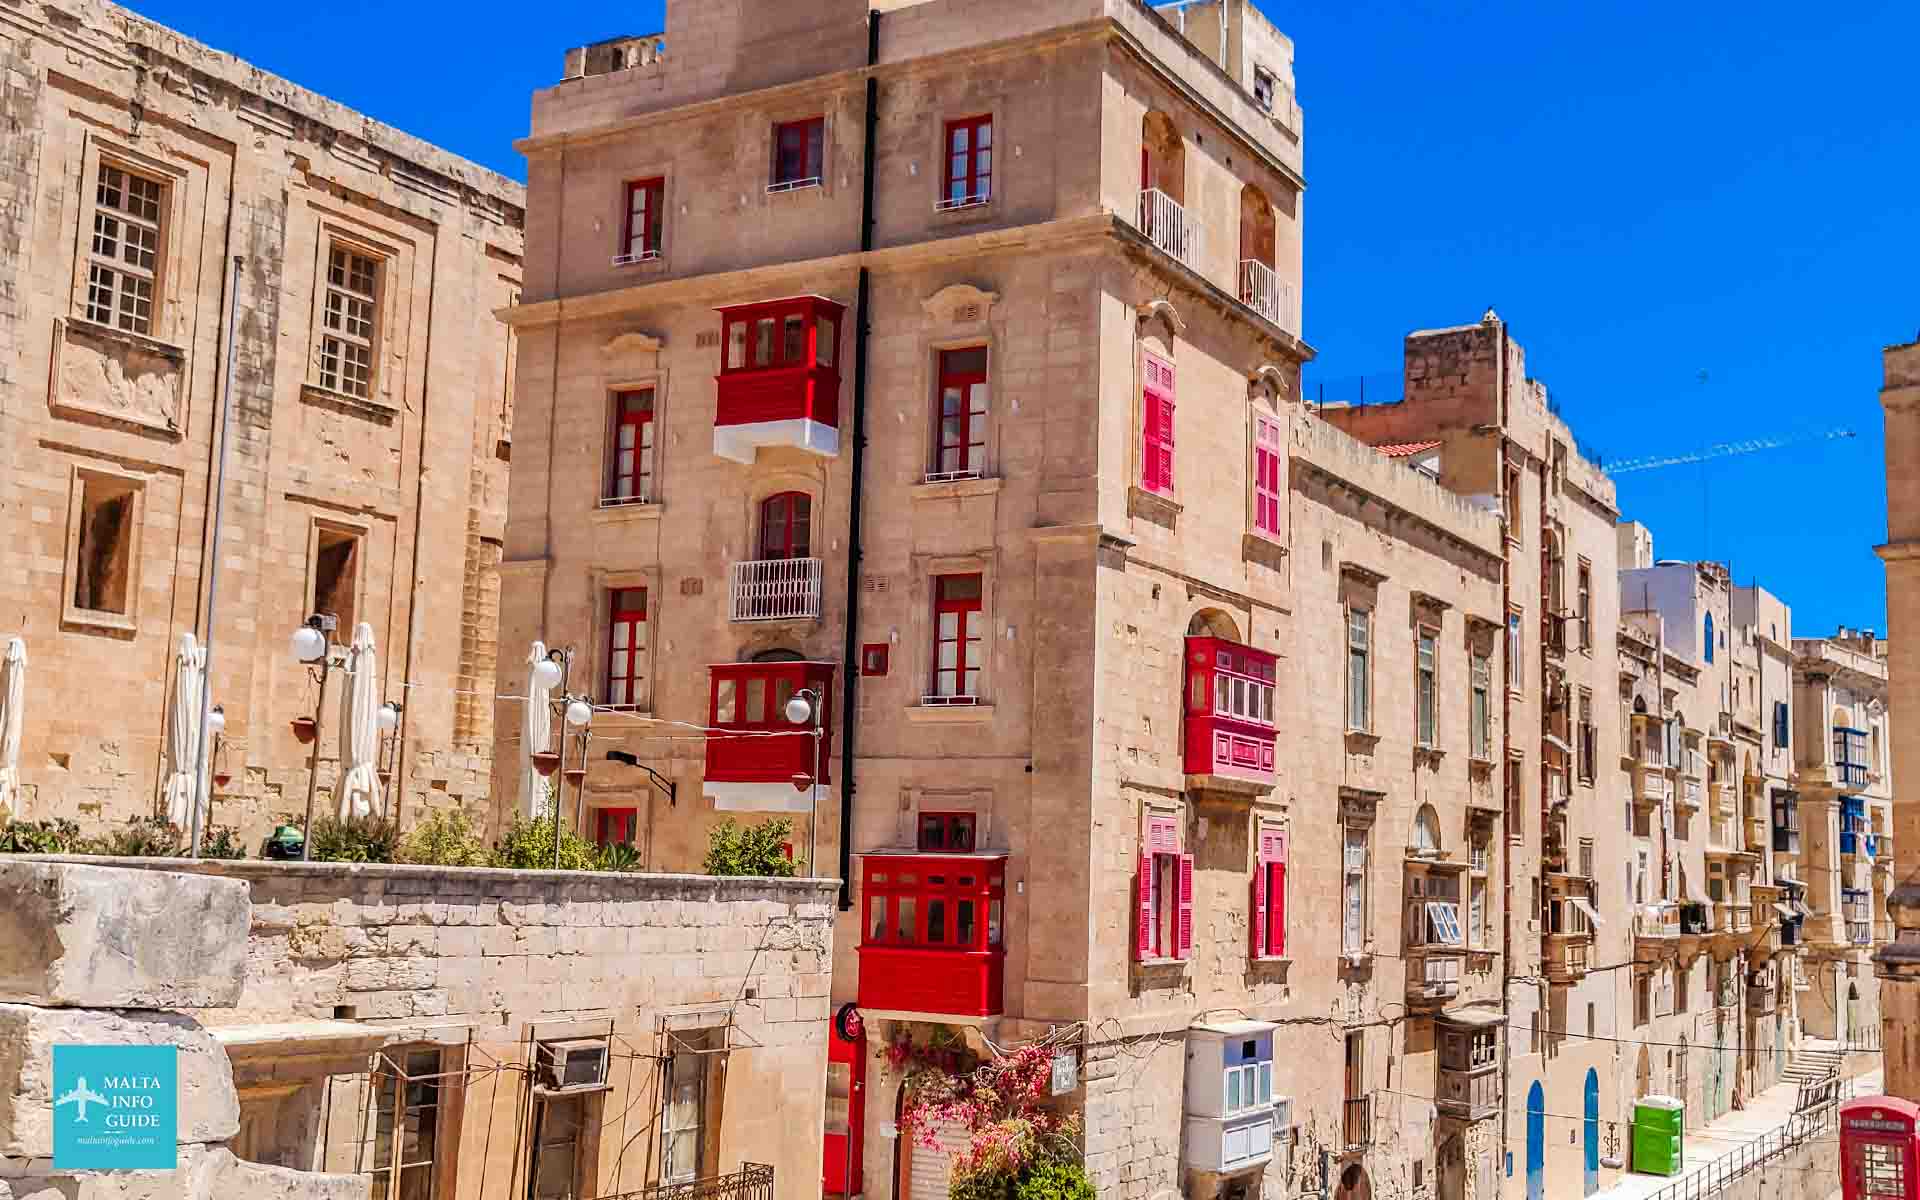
(775, 589)
(1167, 226)
(627, 260)
(1262, 291)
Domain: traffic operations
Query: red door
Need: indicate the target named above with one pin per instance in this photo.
(846, 1108)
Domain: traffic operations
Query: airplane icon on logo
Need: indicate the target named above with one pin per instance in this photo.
(80, 1097)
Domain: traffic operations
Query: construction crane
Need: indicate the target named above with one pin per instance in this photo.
(1723, 450)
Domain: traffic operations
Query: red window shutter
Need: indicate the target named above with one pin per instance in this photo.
(1156, 418)
(1143, 932)
(1257, 911)
(1277, 910)
(1266, 476)
(1183, 935)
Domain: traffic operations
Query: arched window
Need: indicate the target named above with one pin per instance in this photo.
(1211, 622)
(784, 525)
(1426, 830)
(1708, 629)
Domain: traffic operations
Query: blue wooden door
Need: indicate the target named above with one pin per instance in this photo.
(1591, 1131)
(1536, 1142)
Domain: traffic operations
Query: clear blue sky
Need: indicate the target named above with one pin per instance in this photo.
(1700, 220)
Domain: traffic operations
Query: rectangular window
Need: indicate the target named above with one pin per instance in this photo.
(1263, 89)
(627, 647)
(630, 470)
(1359, 674)
(1782, 734)
(969, 162)
(1642, 999)
(645, 220)
(1266, 475)
(1513, 504)
(947, 831)
(1587, 738)
(684, 1118)
(336, 576)
(1156, 425)
(1516, 653)
(348, 312)
(1165, 894)
(1516, 803)
(798, 151)
(1353, 908)
(1269, 908)
(123, 260)
(616, 826)
(406, 1124)
(1482, 714)
(1477, 913)
(1586, 604)
(1426, 689)
(102, 543)
(960, 449)
(959, 633)
(555, 1174)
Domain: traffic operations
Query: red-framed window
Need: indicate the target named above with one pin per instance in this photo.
(1269, 907)
(961, 445)
(794, 333)
(1266, 475)
(959, 636)
(1164, 892)
(935, 903)
(627, 646)
(798, 151)
(645, 219)
(630, 470)
(616, 826)
(969, 161)
(753, 696)
(873, 658)
(948, 831)
(1156, 425)
(785, 520)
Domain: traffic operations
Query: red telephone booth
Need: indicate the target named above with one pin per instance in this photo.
(1878, 1149)
(840, 1160)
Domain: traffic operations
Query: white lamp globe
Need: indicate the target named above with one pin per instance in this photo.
(579, 713)
(309, 644)
(216, 720)
(546, 673)
(799, 710)
(389, 717)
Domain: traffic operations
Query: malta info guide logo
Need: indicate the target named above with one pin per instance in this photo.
(115, 1108)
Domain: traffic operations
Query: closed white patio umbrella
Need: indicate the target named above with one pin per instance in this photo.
(13, 715)
(359, 788)
(183, 731)
(536, 732)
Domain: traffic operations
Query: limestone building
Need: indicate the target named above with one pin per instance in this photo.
(1898, 962)
(943, 366)
(368, 422)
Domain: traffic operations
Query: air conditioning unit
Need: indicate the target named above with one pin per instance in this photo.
(571, 1066)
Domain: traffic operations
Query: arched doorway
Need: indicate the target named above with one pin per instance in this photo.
(1354, 1185)
(1590, 1133)
(1163, 158)
(1211, 622)
(926, 1172)
(1452, 1169)
(1852, 1032)
(1259, 285)
(1536, 1142)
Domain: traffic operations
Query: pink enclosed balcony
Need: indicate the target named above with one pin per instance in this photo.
(769, 763)
(779, 381)
(1229, 719)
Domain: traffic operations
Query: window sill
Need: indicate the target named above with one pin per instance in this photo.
(1152, 506)
(1265, 548)
(1360, 741)
(82, 327)
(86, 618)
(621, 514)
(1271, 960)
(967, 214)
(950, 714)
(786, 187)
(1150, 963)
(954, 489)
(379, 410)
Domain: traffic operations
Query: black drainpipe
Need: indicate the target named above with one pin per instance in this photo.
(850, 659)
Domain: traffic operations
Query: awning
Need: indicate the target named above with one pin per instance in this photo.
(1786, 914)
(1580, 902)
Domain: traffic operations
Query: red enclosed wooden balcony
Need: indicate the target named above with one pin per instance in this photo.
(1230, 731)
(779, 381)
(931, 939)
(753, 771)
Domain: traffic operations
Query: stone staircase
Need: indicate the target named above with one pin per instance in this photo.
(1817, 1061)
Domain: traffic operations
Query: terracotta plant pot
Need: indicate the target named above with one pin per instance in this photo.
(546, 762)
(222, 779)
(304, 728)
(574, 775)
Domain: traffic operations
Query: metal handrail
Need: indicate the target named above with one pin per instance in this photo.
(753, 1181)
(1813, 1115)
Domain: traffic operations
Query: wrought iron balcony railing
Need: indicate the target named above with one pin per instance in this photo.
(753, 1181)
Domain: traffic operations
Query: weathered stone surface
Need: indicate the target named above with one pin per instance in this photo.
(209, 1109)
(205, 1173)
(84, 935)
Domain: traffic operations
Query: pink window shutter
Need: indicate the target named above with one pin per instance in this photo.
(1277, 922)
(1156, 465)
(1143, 924)
(1184, 925)
(1258, 910)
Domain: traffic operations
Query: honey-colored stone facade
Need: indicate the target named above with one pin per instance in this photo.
(1897, 964)
(127, 134)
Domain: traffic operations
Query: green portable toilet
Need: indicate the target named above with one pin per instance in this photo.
(1659, 1134)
